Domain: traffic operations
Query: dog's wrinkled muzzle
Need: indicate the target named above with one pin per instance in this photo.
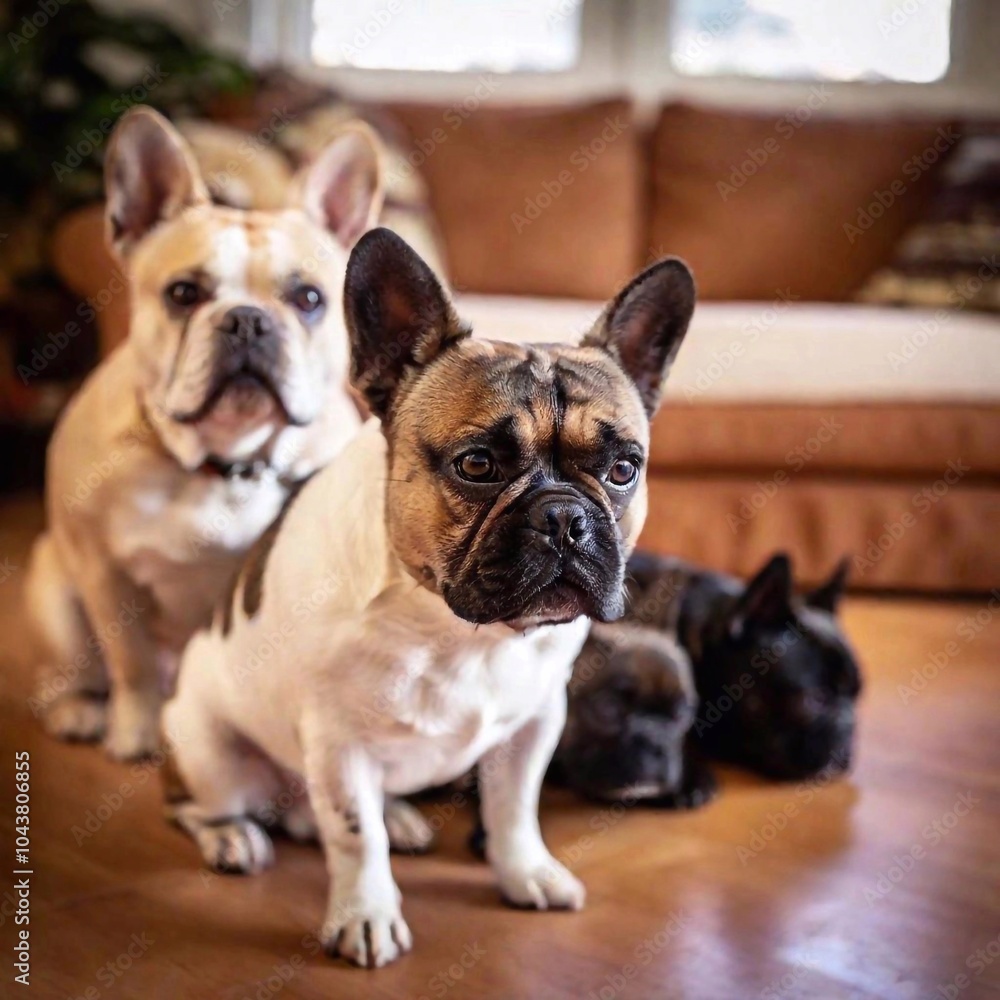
(555, 555)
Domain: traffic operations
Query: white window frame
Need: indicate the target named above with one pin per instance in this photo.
(623, 52)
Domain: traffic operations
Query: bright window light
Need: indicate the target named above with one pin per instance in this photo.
(871, 40)
(541, 36)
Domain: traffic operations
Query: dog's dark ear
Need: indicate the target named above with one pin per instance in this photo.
(342, 189)
(644, 325)
(827, 595)
(150, 175)
(767, 599)
(398, 316)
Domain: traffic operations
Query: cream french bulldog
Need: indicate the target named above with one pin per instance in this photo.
(184, 444)
(421, 603)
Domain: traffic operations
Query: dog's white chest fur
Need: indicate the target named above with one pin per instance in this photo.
(182, 540)
(452, 692)
(346, 642)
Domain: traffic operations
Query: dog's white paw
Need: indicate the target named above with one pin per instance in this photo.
(369, 936)
(235, 847)
(77, 716)
(544, 884)
(133, 727)
(409, 832)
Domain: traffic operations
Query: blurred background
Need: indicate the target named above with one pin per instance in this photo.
(831, 171)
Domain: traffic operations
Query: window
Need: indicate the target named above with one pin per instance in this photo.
(533, 36)
(866, 40)
(927, 55)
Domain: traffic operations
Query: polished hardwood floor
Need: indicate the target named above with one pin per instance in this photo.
(882, 885)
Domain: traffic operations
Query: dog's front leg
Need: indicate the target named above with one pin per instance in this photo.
(510, 780)
(119, 617)
(363, 920)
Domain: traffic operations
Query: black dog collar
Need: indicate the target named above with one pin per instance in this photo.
(250, 470)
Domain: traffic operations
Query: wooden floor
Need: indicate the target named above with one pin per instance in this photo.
(884, 885)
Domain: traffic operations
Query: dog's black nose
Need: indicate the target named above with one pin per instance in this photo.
(245, 324)
(562, 519)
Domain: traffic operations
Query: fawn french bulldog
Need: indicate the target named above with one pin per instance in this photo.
(181, 448)
(421, 603)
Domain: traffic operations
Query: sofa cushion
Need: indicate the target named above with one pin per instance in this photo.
(897, 537)
(865, 438)
(951, 257)
(752, 200)
(533, 201)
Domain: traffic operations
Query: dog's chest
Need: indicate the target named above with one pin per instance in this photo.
(448, 710)
(182, 545)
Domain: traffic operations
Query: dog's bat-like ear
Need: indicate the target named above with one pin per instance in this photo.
(644, 325)
(343, 188)
(767, 599)
(150, 176)
(827, 595)
(397, 314)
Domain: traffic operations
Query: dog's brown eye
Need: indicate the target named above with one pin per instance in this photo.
(477, 467)
(184, 294)
(306, 298)
(623, 472)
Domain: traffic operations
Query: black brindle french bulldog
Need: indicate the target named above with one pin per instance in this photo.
(777, 680)
(775, 676)
(628, 734)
